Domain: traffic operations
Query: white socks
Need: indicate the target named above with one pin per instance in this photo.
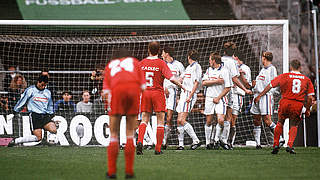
(207, 131)
(189, 129)
(180, 135)
(257, 133)
(25, 139)
(225, 132)
(218, 132)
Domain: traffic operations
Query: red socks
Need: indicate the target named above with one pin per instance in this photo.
(129, 155)
(160, 134)
(112, 155)
(142, 130)
(277, 133)
(292, 135)
(113, 151)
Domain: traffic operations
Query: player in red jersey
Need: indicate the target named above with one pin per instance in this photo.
(153, 98)
(297, 93)
(123, 80)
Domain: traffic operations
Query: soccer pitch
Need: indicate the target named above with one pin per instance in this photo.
(90, 163)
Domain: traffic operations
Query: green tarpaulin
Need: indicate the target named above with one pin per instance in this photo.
(102, 9)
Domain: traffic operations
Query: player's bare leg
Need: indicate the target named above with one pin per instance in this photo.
(130, 148)
(52, 128)
(142, 130)
(232, 133)
(113, 148)
(208, 130)
(257, 130)
(160, 131)
(167, 127)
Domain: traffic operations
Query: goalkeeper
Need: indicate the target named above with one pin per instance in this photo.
(40, 106)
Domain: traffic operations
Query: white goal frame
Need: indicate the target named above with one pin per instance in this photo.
(283, 23)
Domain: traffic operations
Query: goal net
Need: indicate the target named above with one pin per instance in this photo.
(72, 50)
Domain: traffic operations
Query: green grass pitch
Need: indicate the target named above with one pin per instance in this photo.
(89, 163)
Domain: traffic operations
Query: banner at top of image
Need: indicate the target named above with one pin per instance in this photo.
(102, 9)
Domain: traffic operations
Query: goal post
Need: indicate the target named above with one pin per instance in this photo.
(72, 49)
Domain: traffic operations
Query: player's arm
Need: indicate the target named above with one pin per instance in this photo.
(244, 80)
(50, 105)
(237, 82)
(308, 104)
(194, 88)
(223, 93)
(217, 81)
(23, 100)
(176, 81)
(273, 84)
(266, 89)
(168, 75)
(310, 98)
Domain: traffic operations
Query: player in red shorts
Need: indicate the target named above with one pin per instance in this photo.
(153, 98)
(297, 93)
(123, 80)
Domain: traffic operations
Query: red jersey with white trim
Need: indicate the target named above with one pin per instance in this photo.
(123, 71)
(293, 85)
(155, 71)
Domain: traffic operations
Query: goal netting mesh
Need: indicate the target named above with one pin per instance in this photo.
(72, 52)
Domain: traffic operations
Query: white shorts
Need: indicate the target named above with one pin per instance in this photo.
(237, 102)
(171, 101)
(264, 106)
(183, 106)
(212, 108)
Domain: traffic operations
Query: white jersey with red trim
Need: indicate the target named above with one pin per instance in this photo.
(216, 73)
(192, 73)
(230, 64)
(264, 78)
(177, 69)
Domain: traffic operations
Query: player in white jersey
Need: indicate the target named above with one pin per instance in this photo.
(238, 94)
(170, 89)
(191, 82)
(218, 85)
(264, 107)
(230, 64)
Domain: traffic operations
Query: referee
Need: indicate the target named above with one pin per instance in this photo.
(40, 106)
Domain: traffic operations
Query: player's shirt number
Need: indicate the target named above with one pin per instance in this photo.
(117, 66)
(149, 79)
(296, 86)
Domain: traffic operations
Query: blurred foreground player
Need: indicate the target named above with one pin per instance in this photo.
(297, 91)
(153, 98)
(40, 106)
(122, 83)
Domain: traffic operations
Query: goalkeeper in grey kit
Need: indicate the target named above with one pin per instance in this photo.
(40, 106)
